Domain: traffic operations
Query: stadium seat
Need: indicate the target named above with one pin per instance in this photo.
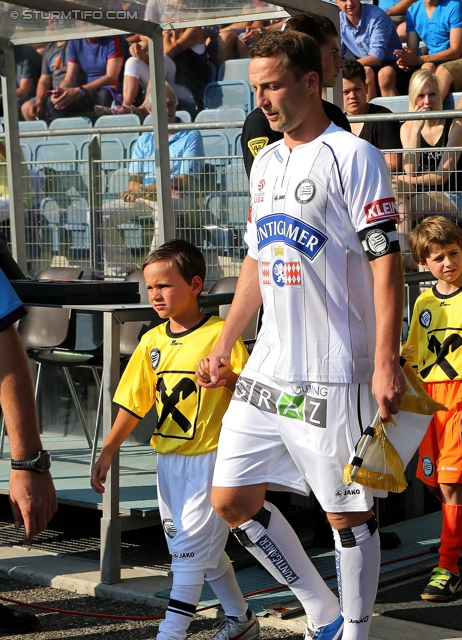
(234, 70)
(67, 124)
(122, 120)
(396, 104)
(451, 100)
(33, 125)
(236, 93)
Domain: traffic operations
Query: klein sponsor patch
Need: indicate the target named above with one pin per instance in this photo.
(383, 209)
(257, 144)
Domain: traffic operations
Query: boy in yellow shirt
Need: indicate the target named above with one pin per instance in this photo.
(161, 371)
(436, 337)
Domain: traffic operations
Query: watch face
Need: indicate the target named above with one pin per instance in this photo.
(43, 462)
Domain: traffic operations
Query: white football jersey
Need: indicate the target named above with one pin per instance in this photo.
(307, 207)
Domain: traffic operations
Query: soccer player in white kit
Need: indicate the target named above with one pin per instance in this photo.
(324, 259)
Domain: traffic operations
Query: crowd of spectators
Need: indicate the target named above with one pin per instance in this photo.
(383, 49)
(93, 76)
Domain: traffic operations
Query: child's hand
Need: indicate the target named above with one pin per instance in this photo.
(99, 474)
(203, 373)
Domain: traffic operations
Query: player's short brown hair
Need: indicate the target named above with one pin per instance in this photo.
(318, 27)
(435, 230)
(181, 254)
(300, 51)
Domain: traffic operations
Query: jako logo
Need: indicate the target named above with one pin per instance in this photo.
(351, 492)
(362, 621)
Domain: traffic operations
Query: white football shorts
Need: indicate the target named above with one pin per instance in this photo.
(296, 437)
(196, 535)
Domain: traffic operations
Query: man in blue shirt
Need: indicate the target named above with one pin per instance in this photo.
(438, 23)
(140, 197)
(368, 35)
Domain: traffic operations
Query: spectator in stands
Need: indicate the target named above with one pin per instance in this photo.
(396, 9)
(140, 198)
(368, 35)
(234, 40)
(101, 61)
(438, 23)
(187, 49)
(449, 75)
(136, 81)
(383, 135)
(257, 133)
(28, 63)
(54, 66)
(432, 178)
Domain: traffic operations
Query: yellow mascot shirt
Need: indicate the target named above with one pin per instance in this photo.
(162, 371)
(436, 336)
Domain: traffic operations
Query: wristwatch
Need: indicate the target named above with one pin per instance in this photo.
(39, 463)
(83, 93)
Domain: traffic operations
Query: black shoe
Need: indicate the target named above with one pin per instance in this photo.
(388, 539)
(13, 622)
(442, 586)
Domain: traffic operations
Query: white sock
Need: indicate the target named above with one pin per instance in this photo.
(181, 607)
(274, 543)
(358, 568)
(225, 587)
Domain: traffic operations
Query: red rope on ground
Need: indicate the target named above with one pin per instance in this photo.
(110, 616)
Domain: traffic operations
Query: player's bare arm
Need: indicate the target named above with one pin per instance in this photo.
(247, 300)
(388, 383)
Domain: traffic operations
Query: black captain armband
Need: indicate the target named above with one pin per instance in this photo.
(380, 240)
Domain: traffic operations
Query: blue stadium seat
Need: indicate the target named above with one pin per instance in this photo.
(236, 93)
(67, 124)
(396, 104)
(451, 100)
(234, 70)
(122, 120)
(33, 125)
(112, 152)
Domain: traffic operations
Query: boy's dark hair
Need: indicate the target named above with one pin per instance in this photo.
(181, 254)
(300, 51)
(435, 230)
(318, 27)
(353, 69)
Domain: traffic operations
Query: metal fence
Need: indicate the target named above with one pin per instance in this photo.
(75, 215)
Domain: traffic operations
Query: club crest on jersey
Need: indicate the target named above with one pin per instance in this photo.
(280, 273)
(257, 144)
(296, 233)
(425, 318)
(155, 358)
(305, 191)
(169, 528)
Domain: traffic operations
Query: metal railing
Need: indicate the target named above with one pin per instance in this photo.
(73, 205)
